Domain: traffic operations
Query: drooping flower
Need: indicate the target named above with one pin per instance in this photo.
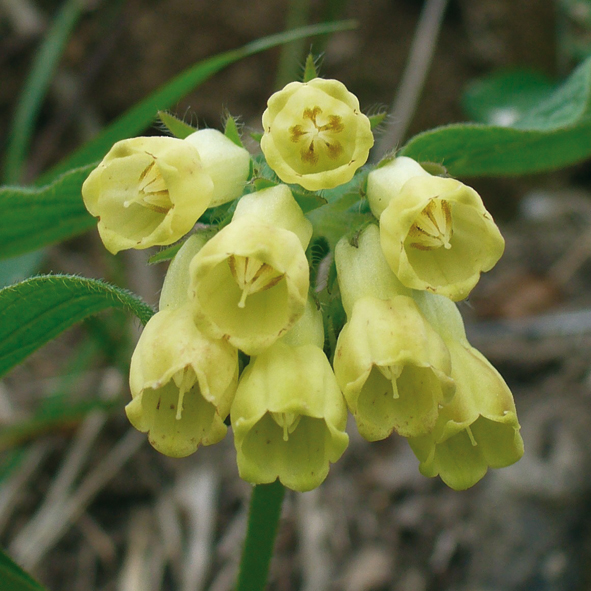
(249, 283)
(393, 368)
(182, 384)
(478, 429)
(315, 135)
(289, 416)
(147, 191)
(435, 232)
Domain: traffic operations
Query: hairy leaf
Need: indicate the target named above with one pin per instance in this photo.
(555, 134)
(35, 311)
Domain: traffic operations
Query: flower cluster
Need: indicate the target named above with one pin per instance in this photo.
(238, 293)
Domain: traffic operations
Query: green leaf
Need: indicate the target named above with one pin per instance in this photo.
(377, 119)
(505, 97)
(35, 89)
(553, 135)
(310, 71)
(37, 310)
(139, 117)
(35, 217)
(177, 127)
(18, 268)
(231, 130)
(14, 578)
(166, 254)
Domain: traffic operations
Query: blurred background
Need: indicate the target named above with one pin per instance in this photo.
(86, 504)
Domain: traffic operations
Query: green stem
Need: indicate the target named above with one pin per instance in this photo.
(263, 520)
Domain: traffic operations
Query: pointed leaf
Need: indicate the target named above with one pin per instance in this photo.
(37, 310)
(38, 216)
(139, 117)
(555, 134)
(231, 130)
(310, 71)
(177, 127)
(14, 578)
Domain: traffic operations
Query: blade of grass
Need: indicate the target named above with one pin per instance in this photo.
(139, 117)
(35, 88)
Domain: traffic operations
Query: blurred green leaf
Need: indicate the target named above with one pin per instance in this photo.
(14, 578)
(35, 89)
(47, 420)
(35, 217)
(139, 117)
(20, 267)
(555, 134)
(505, 97)
(35, 311)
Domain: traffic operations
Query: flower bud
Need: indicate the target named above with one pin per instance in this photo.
(289, 416)
(315, 135)
(276, 206)
(386, 181)
(249, 284)
(147, 191)
(175, 289)
(478, 429)
(227, 164)
(435, 232)
(182, 384)
(363, 271)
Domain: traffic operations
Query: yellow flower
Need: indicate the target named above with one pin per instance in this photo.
(249, 283)
(315, 135)
(435, 232)
(227, 164)
(289, 416)
(478, 429)
(392, 366)
(147, 191)
(182, 384)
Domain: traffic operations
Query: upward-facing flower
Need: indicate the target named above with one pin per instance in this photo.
(147, 191)
(315, 135)
(435, 232)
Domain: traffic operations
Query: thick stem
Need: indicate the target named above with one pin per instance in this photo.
(263, 520)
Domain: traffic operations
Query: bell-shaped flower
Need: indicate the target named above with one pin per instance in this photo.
(249, 283)
(289, 416)
(227, 164)
(147, 191)
(435, 232)
(315, 135)
(182, 384)
(478, 429)
(393, 368)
